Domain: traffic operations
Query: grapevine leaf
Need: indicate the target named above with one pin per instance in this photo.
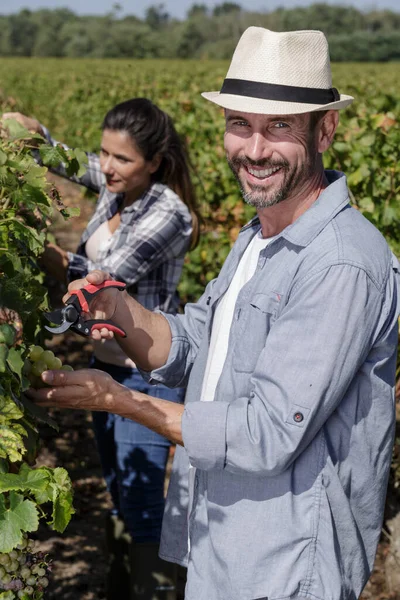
(21, 516)
(28, 236)
(38, 412)
(70, 211)
(32, 196)
(62, 499)
(52, 156)
(82, 159)
(15, 129)
(62, 512)
(36, 176)
(15, 361)
(8, 408)
(9, 595)
(11, 444)
(19, 132)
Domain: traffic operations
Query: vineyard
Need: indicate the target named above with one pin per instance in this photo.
(70, 98)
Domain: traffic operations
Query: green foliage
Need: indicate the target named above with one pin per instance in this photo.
(26, 210)
(353, 34)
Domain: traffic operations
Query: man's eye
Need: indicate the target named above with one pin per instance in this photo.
(280, 124)
(237, 123)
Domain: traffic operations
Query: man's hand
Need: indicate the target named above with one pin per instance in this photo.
(87, 389)
(90, 389)
(28, 122)
(103, 305)
(148, 334)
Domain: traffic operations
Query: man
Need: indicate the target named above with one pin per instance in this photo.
(284, 443)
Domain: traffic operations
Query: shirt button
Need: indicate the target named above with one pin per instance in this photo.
(298, 417)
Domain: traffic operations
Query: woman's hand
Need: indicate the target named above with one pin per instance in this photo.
(28, 122)
(55, 260)
(86, 389)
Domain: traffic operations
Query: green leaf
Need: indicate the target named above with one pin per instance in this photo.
(28, 236)
(38, 412)
(62, 500)
(9, 595)
(52, 156)
(15, 361)
(20, 516)
(366, 204)
(11, 444)
(82, 159)
(36, 176)
(3, 158)
(16, 130)
(71, 211)
(62, 512)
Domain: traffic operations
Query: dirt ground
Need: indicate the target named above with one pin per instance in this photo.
(79, 554)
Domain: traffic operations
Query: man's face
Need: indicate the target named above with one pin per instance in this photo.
(272, 157)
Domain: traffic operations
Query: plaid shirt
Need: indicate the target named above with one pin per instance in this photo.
(148, 248)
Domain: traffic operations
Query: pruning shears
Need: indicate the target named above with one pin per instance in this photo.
(71, 315)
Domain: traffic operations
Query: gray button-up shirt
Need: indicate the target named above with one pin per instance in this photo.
(292, 457)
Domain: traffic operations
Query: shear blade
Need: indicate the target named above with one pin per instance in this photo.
(54, 317)
(66, 325)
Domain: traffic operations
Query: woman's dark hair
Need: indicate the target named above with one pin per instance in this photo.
(153, 133)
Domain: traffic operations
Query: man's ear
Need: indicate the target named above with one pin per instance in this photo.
(327, 128)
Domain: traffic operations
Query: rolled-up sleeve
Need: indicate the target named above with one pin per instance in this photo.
(187, 332)
(312, 354)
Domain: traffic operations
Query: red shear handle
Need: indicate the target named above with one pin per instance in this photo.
(84, 293)
(93, 289)
(110, 327)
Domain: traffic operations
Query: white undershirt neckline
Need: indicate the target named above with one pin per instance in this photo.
(224, 313)
(107, 351)
(221, 327)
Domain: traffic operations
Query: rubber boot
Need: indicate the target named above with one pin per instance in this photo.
(151, 577)
(118, 543)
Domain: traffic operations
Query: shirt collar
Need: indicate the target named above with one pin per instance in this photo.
(153, 192)
(330, 202)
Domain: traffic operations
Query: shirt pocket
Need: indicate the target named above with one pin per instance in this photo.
(255, 322)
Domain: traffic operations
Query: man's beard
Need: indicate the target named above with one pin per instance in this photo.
(260, 196)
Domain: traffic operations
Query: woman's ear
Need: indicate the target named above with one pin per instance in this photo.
(327, 128)
(155, 163)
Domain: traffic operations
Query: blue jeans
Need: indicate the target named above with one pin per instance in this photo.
(134, 458)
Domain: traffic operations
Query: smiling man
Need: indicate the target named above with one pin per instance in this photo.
(285, 439)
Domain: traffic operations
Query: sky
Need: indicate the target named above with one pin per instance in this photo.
(178, 8)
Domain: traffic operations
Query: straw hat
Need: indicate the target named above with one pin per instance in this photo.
(279, 73)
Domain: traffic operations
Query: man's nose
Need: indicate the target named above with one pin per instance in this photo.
(258, 147)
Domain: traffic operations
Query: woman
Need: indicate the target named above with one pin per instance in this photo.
(144, 223)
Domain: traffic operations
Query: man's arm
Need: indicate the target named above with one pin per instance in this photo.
(90, 389)
(148, 340)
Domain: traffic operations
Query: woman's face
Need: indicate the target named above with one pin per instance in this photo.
(123, 165)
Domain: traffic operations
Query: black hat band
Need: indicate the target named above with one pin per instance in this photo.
(283, 93)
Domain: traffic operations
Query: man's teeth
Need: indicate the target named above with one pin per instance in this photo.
(262, 173)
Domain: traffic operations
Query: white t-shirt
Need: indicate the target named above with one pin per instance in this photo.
(222, 326)
(108, 351)
(224, 315)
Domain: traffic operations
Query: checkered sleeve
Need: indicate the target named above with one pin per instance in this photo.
(92, 178)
